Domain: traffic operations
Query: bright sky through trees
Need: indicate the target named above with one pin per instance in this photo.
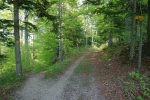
(80, 2)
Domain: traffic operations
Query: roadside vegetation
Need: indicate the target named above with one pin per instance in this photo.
(135, 84)
(47, 35)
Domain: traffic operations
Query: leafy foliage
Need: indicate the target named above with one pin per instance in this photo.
(138, 87)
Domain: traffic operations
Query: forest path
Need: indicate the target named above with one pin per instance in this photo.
(74, 84)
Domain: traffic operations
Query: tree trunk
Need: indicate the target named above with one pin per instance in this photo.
(27, 51)
(86, 30)
(133, 34)
(110, 42)
(92, 32)
(26, 28)
(92, 39)
(140, 46)
(60, 32)
(17, 38)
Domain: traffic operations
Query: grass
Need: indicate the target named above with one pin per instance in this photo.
(75, 52)
(57, 68)
(10, 79)
(104, 57)
(8, 82)
(52, 68)
(60, 67)
(84, 68)
(7, 70)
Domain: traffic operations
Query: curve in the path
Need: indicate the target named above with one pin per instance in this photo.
(36, 88)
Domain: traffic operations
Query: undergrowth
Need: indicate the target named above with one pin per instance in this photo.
(46, 66)
(138, 86)
(57, 68)
(114, 52)
(60, 67)
(9, 79)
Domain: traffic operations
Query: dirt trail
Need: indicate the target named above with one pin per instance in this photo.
(67, 87)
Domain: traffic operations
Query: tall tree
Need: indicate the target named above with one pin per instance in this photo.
(60, 31)
(26, 27)
(17, 38)
(86, 30)
(133, 34)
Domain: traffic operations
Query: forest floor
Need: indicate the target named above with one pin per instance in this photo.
(87, 78)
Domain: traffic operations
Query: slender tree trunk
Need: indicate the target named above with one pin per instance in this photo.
(17, 38)
(86, 32)
(86, 28)
(27, 51)
(92, 31)
(140, 46)
(92, 39)
(21, 36)
(133, 34)
(26, 29)
(33, 49)
(60, 32)
(110, 40)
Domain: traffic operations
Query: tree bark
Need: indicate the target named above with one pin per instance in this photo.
(140, 46)
(60, 32)
(27, 51)
(86, 30)
(26, 28)
(17, 38)
(133, 34)
(110, 42)
(92, 32)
